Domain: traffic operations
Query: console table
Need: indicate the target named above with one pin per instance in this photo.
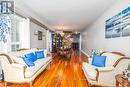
(122, 81)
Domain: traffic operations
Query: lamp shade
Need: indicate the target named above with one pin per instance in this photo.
(36, 32)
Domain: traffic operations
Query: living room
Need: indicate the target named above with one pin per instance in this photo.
(75, 43)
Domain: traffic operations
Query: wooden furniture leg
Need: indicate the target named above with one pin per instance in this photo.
(89, 85)
(117, 84)
(5, 84)
(31, 84)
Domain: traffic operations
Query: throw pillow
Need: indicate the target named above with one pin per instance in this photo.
(28, 61)
(39, 54)
(99, 61)
(44, 52)
(31, 56)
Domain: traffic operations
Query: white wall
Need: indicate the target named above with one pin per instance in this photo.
(93, 37)
(34, 42)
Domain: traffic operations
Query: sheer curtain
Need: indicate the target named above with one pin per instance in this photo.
(5, 29)
(25, 33)
(49, 41)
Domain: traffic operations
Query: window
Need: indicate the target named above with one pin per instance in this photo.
(15, 33)
(19, 34)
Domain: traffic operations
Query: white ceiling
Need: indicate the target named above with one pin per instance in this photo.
(73, 14)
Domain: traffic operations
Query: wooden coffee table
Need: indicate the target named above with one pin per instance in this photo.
(122, 81)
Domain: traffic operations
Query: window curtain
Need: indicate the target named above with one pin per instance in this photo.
(25, 33)
(6, 24)
(20, 33)
(49, 41)
(5, 29)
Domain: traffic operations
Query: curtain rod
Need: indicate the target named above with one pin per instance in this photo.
(38, 23)
(20, 15)
(34, 21)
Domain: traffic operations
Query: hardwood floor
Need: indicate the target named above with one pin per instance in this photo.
(62, 73)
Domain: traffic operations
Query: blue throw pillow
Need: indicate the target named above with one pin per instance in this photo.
(39, 54)
(31, 56)
(28, 61)
(99, 61)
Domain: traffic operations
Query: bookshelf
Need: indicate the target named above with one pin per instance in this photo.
(56, 42)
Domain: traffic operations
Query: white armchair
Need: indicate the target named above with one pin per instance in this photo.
(105, 76)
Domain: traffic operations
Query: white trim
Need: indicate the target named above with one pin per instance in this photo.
(80, 41)
(85, 53)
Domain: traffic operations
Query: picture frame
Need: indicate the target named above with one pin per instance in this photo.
(39, 35)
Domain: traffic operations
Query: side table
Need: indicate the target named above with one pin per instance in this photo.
(122, 81)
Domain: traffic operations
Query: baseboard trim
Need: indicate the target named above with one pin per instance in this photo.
(85, 53)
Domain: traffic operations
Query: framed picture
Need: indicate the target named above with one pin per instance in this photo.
(118, 25)
(39, 35)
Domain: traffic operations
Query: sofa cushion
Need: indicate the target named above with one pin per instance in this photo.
(30, 71)
(111, 58)
(99, 61)
(39, 54)
(105, 68)
(90, 71)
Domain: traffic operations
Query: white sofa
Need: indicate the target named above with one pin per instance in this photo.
(16, 71)
(105, 76)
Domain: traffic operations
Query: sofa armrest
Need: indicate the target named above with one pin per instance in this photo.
(121, 59)
(18, 66)
(102, 70)
(14, 72)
